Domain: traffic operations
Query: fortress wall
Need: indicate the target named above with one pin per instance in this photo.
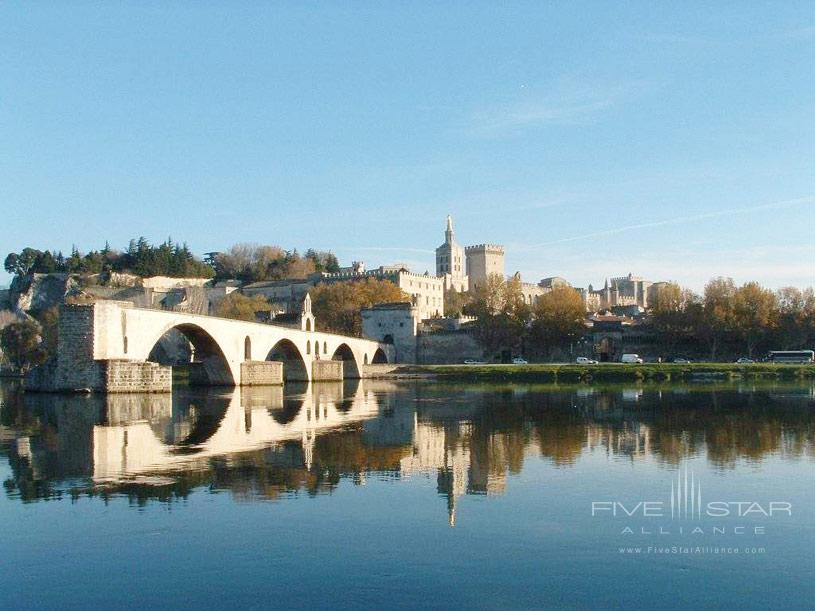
(447, 348)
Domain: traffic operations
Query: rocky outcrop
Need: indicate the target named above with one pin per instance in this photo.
(38, 292)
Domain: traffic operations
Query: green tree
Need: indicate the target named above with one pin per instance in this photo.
(455, 302)
(21, 343)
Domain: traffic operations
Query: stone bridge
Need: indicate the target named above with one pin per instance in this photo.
(244, 420)
(108, 346)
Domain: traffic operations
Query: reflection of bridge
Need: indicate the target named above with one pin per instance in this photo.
(106, 346)
(253, 419)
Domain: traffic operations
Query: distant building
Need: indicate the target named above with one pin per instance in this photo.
(426, 291)
(395, 324)
(450, 261)
(627, 290)
(484, 260)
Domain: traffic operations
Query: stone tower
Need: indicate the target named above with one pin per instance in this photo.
(450, 261)
(484, 260)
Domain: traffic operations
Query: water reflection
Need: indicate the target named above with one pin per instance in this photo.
(264, 443)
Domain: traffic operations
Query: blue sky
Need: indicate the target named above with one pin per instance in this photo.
(672, 140)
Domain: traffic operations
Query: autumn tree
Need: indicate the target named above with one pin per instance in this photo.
(558, 320)
(715, 325)
(337, 306)
(795, 328)
(502, 314)
(255, 262)
(755, 314)
(673, 314)
(243, 307)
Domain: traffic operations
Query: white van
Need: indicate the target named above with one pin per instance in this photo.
(631, 358)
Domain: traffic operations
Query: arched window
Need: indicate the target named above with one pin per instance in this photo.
(308, 347)
(366, 359)
(325, 347)
(308, 324)
(247, 349)
(125, 344)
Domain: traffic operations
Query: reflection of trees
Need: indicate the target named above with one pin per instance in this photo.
(473, 438)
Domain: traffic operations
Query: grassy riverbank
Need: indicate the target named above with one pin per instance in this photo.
(608, 372)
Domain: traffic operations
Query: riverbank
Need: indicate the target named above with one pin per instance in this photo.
(605, 372)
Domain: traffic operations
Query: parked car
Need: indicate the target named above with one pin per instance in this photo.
(631, 358)
(745, 361)
(519, 361)
(681, 360)
(474, 362)
(584, 360)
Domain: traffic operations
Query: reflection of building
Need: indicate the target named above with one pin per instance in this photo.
(462, 466)
(633, 439)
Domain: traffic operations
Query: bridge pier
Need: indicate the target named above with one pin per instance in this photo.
(261, 373)
(326, 371)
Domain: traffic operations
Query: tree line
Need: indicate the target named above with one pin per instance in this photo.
(141, 258)
(506, 324)
(255, 263)
(727, 319)
(244, 262)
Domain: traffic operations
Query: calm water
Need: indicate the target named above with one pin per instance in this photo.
(410, 495)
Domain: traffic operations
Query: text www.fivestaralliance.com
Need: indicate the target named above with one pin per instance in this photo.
(694, 550)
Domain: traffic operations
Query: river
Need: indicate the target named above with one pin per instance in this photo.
(410, 494)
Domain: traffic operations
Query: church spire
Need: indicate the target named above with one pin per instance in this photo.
(448, 234)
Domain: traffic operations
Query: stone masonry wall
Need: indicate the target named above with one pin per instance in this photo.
(447, 348)
(323, 371)
(260, 373)
(131, 376)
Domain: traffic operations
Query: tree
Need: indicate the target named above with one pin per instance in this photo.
(755, 314)
(715, 325)
(242, 307)
(559, 319)
(796, 318)
(21, 344)
(673, 315)
(502, 314)
(337, 306)
(455, 302)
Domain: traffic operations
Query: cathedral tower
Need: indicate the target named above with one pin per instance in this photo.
(450, 262)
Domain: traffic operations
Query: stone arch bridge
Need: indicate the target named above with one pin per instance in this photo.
(106, 346)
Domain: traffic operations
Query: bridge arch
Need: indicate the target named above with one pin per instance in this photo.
(380, 357)
(208, 364)
(294, 366)
(350, 368)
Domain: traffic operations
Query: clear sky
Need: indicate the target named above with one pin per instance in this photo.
(671, 140)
